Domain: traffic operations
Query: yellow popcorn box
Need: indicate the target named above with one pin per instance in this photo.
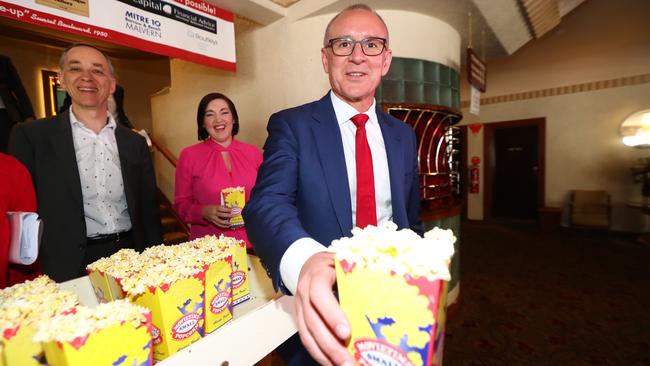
(100, 285)
(18, 347)
(123, 344)
(404, 325)
(115, 287)
(176, 312)
(22, 308)
(218, 293)
(392, 287)
(106, 285)
(234, 198)
(239, 275)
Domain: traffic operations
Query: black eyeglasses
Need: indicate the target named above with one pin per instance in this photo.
(371, 46)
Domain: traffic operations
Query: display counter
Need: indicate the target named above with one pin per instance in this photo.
(259, 325)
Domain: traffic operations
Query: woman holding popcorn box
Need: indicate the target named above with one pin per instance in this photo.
(214, 177)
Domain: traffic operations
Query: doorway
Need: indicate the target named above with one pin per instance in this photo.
(514, 169)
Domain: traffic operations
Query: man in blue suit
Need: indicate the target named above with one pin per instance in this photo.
(307, 194)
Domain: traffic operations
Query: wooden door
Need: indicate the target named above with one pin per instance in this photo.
(514, 169)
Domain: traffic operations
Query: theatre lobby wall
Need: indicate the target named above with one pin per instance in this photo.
(140, 77)
(584, 86)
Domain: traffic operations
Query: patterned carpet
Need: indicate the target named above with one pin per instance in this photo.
(570, 298)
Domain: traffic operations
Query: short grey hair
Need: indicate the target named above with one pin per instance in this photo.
(111, 69)
(363, 7)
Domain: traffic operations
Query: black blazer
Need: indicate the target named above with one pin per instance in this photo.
(13, 93)
(46, 148)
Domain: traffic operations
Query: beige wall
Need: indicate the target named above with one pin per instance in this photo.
(579, 50)
(583, 148)
(140, 78)
(423, 37)
(278, 66)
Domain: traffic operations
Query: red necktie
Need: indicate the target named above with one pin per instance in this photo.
(366, 206)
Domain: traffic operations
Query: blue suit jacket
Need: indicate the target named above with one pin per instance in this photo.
(302, 186)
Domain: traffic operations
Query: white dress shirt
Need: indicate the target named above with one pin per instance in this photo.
(100, 173)
(297, 254)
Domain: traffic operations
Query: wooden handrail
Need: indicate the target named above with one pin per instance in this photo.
(184, 226)
(164, 151)
(173, 161)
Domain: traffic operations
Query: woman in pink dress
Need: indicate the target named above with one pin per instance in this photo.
(219, 161)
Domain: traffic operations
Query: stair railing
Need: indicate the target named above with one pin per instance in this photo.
(173, 161)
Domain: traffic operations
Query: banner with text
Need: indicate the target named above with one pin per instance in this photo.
(187, 29)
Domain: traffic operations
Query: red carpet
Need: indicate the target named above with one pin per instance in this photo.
(570, 298)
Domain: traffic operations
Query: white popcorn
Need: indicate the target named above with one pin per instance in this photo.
(122, 257)
(33, 302)
(83, 321)
(401, 251)
(164, 264)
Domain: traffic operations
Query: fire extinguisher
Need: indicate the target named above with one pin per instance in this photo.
(474, 176)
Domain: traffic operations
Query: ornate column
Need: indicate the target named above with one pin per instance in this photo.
(422, 88)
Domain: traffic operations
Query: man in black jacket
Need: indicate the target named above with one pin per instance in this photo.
(94, 178)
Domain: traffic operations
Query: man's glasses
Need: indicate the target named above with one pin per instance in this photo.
(371, 46)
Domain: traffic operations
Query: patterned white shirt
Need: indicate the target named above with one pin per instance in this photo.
(100, 173)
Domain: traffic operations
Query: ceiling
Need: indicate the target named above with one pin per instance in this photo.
(495, 28)
(58, 39)
(498, 27)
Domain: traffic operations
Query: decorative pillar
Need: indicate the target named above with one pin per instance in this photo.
(426, 95)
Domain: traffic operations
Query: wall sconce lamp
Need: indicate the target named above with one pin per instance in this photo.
(635, 129)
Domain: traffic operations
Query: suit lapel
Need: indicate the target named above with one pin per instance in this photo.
(394, 153)
(121, 136)
(63, 147)
(327, 135)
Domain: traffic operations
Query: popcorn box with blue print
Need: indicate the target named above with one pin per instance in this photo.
(120, 344)
(405, 324)
(18, 347)
(176, 312)
(107, 287)
(235, 199)
(392, 288)
(115, 287)
(218, 294)
(214, 255)
(100, 285)
(105, 273)
(239, 275)
(22, 308)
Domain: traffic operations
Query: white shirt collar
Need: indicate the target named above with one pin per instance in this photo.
(75, 121)
(344, 111)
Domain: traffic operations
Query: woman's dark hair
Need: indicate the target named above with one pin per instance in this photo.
(203, 105)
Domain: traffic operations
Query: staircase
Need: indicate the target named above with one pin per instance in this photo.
(174, 229)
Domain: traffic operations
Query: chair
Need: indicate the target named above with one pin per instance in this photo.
(590, 209)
